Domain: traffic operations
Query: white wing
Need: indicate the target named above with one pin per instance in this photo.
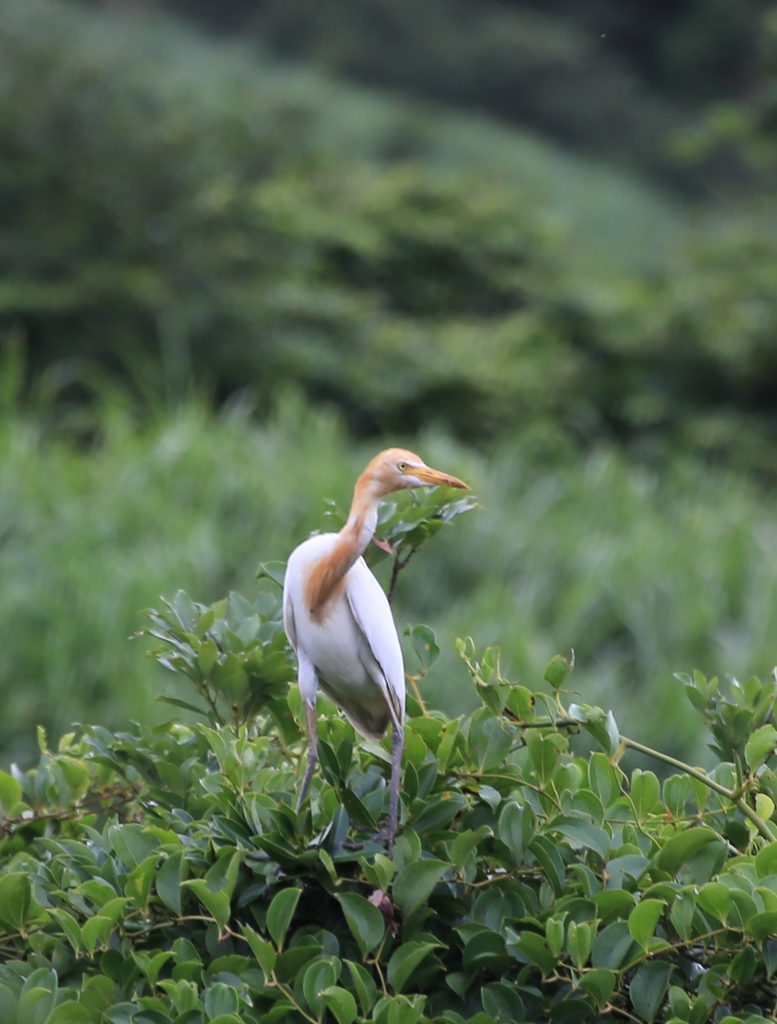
(289, 626)
(372, 614)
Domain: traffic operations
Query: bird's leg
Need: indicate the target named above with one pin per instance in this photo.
(398, 743)
(312, 724)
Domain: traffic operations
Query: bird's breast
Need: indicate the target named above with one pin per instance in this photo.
(327, 633)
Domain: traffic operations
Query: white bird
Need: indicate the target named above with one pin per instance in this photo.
(339, 622)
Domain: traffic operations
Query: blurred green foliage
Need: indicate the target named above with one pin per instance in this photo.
(745, 124)
(603, 77)
(172, 226)
(641, 570)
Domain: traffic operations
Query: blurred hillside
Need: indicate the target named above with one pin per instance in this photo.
(177, 211)
(540, 247)
(611, 79)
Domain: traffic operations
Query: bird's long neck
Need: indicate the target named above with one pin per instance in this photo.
(328, 574)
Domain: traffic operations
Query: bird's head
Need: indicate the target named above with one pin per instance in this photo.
(396, 469)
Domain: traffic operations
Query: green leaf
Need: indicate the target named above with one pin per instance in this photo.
(546, 854)
(502, 1002)
(545, 754)
(743, 966)
(96, 930)
(614, 947)
(485, 950)
(15, 902)
(599, 984)
(414, 883)
(579, 941)
(77, 775)
(600, 725)
(715, 899)
(424, 644)
(536, 949)
(517, 828)
(318, 975)
(643, 920)
(280, 913)
(168, 882)
(220, 1000)
(364, 986)
(558, 670)
(554, 934)
(487, 741)
(67, 1013)
(631, 865)
(648, 988)
(584, 832)
(464, 844)
(183, 704)
(613, 903)
(766, 860)
(682, 847)
(217, 903)
(760, 746)
(341, 1003)
(763, 925)
(138, 884)
(132, 843)
(10, 793)
(405, 960)
(154, 965)
(645, 794)
(274, 571)
(70, 927)
(9, 1004)
(222, 876)
(681, 914)
(262, 950)
(603, 779)
(366, 922)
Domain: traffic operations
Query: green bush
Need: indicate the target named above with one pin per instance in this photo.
(162, 874)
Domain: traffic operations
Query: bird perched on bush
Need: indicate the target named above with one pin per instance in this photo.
(339, 622)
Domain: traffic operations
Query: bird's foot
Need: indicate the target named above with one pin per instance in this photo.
(384, 545)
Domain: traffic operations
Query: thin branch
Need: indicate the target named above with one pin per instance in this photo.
(737, 798)
(399, 565)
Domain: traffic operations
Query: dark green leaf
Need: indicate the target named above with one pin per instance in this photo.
(643, 920)
(763, 925)
(599, 984)
(365, 921)
(280, 913)
(341, 1003)
(415, 883)
(15, 902)
(648, 988)
(364, 986)
(682, 847)
(405, 960)
(502, 1003)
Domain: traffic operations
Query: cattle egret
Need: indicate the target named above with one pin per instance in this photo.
(339, 622)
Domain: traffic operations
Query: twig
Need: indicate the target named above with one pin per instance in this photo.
(399, 565)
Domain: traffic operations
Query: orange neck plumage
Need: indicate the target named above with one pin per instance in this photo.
(327, 576)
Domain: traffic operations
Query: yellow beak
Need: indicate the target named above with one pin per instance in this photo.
(435, 478)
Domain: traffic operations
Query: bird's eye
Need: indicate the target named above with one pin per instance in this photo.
(402, 467)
